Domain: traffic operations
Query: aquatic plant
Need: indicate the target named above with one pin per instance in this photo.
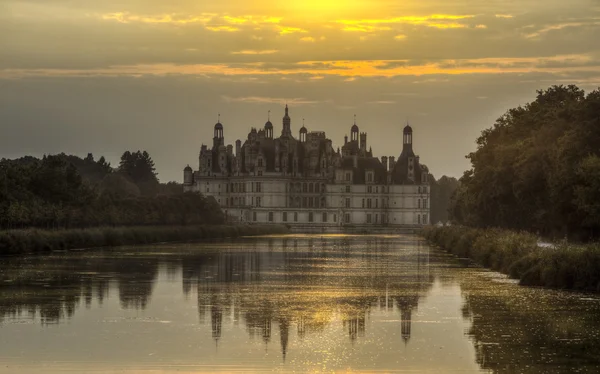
(518, 254)
(36, 240)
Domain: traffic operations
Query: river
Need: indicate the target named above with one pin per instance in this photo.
(287, 303)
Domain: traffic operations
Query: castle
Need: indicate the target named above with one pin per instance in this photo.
(304, 182)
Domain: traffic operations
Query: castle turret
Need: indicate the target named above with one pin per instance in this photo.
(287, 124)
(188, 176)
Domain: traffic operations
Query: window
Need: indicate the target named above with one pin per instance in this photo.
(369, 177)
(311, 188)
(284, 216)
(254, 216)
(348, 177)
(304, 203)
(310, 217)
(419, 204)
(419, 218)
(369, 203)
(260, 173)
(323, 188)
(377, 189)
(260, 162)
(347, 189)
(304, 188)
(363, 203)
(376, 218)
(376, 203)
(347, 203)
(419, 189)
(368, 218)
(335, 218)
(258, 187)
(424, 203)
(258, 201)
(310, 202)
(324, 217)
(424, 219)
(424, 189)
(295, 216)
(270, 216)
(347, 218)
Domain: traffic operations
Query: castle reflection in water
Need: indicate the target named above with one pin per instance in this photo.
(275, 288)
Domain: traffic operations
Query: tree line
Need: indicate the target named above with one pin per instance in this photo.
(537, 168)
(65, 191)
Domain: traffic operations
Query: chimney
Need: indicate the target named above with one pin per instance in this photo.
(345, 139)
(363, 141)
(238, 148)
(392, 162)
(384, 161)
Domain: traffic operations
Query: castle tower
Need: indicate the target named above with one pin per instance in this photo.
(287, 124)
(188, 176)
(218, 137)
(407, 142)
(354, 131)
(303, 132)
(269, 127)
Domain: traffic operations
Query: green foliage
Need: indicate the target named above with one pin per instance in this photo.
(65, 191)
(33, 240)
(537, 168)
(441, 194)
(518, 255)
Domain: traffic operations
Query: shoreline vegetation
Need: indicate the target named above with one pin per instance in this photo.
(518, 254)
(27, 241)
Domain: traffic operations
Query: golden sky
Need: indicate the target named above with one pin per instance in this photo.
(105, 76)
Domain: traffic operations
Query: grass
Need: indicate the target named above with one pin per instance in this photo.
(518, 255)
(15, 242)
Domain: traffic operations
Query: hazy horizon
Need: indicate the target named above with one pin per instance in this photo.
(103, 78)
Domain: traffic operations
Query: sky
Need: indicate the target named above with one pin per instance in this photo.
(81, 76)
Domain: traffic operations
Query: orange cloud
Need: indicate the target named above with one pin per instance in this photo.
(440, 21)
(342, 68)
(254, 52)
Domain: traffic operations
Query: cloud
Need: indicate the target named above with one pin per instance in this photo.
(342, 68)
(400, 37)
(175, 19)
(254, 52)
(269, 100)
(504, 16)
(439, 21)
(385, 102)
(290, 30)
(559, 26)
(309, 39)
(222, 28)
(480, 26)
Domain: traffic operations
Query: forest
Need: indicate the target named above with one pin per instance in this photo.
(537, 169)
(65, 191)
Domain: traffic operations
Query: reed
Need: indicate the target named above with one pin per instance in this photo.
(575, 267)
(14, 242)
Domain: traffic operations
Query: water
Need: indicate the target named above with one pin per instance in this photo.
(295, 303)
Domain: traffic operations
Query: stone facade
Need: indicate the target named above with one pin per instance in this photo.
(305, 182)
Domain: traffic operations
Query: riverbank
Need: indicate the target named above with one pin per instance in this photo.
(15, 242)
(519, 255)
